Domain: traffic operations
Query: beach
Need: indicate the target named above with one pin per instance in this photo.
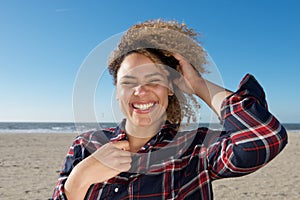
(30, 163)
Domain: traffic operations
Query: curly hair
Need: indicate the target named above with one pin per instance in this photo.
(158, 40)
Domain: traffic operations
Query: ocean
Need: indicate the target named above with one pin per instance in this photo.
(50, 127)
(62, 127)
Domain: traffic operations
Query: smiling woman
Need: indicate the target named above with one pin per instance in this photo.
(143, 97)
(156, 67)
(179, 105)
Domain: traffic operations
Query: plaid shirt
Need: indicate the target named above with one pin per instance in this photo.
(183, 164)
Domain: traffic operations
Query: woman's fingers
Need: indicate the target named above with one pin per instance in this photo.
(189, 75)
(187, 69)
(124, 145)
(114, 155)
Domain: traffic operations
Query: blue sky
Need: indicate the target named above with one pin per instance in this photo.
(44, 43)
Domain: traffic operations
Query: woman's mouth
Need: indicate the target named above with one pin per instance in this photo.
(143, 106)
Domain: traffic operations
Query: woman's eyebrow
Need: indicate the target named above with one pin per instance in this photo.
(146, 76)
(128, 77)
(154, 74)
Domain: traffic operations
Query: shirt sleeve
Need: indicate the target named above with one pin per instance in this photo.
(252, 136)
(75, 154)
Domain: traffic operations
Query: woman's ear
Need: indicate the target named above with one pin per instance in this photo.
(117, 94)
(171, 89)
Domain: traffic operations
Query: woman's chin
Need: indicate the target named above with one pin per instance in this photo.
(148, 119)
(143, 122)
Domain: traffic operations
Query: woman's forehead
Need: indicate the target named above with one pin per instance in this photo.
(140, 66)
(143, 71)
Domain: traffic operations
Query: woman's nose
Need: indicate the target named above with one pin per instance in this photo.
(140, 90)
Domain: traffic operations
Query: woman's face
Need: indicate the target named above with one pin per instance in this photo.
(142, 90)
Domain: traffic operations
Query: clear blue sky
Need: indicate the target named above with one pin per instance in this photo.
(43, 44)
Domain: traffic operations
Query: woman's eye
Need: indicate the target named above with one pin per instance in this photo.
(128, 83)
(155, 81)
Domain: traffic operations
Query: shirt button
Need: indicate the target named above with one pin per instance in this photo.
(116, 189)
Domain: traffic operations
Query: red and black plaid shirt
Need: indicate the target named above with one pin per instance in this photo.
(183, 164)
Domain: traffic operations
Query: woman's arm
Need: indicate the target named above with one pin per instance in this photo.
(106, 162)
(252, 136)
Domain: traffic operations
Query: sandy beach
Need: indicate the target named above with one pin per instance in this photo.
(30, 163)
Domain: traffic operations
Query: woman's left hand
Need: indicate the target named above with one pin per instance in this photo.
(189, 77)
(192, 83)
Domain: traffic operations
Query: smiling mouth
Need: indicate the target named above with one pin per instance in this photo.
(143, 107)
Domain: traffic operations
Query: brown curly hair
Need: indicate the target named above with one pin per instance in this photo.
(157, 40)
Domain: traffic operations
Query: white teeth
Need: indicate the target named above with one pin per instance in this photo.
(143, 106)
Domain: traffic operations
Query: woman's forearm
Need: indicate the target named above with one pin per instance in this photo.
(86, 173)
(212, 94)
(78, 182)
(75, 187)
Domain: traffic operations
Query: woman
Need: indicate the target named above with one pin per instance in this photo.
(157, 69)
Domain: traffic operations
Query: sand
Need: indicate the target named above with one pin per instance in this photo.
(30, 163)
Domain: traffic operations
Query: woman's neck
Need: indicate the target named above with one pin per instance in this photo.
(138, 136)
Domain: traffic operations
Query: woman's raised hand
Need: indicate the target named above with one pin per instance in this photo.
(190, 77)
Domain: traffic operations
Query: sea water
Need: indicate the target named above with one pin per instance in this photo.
(69, 127)
(51, 127)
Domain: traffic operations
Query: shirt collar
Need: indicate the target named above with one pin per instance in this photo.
(166, 133)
